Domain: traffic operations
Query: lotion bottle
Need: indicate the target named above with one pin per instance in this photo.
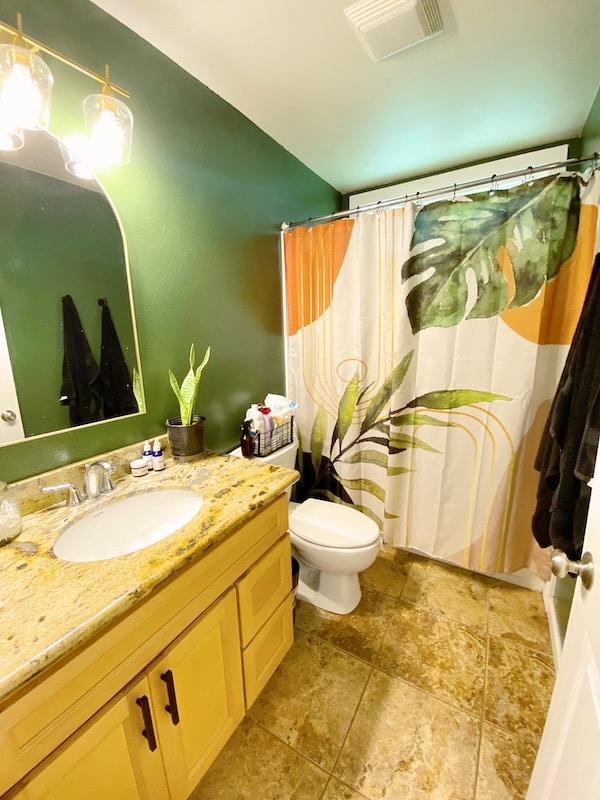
(147, 454)
(158, 459)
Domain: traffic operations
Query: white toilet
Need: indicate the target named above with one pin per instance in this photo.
(331, 542)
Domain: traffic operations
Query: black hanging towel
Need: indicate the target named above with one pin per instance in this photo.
(81, 389)
(117, 390)
(567, 452)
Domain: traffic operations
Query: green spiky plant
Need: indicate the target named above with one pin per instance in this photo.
(186, 393)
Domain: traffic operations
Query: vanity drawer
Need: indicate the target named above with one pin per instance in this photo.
(264, 654)
(263, 588)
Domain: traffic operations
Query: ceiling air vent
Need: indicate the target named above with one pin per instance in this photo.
(385, 27)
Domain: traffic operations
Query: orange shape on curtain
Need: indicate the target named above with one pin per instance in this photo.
(551, 318)
(313, 259)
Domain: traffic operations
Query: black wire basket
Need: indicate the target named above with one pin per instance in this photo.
(270, 441)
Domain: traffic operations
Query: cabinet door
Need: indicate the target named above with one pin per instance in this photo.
(197, 695)
(108, 758)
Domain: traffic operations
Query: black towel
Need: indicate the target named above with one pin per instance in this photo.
(567, 452)
(80, 374)
(117, 390)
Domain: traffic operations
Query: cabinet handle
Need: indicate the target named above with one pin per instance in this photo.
(171, 707)
(148, 731)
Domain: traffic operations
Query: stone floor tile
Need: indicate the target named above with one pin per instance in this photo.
(336, 790)
(505, 765)
(255, 764)
(403, 743)
(518, 615)
(436, 654)
(311, 699)
(518, 688)
(360, 633)
(389, 571)
(457, 593)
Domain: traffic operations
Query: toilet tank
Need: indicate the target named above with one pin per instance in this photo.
(284, 457)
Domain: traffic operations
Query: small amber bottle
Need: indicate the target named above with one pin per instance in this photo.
(247, 439)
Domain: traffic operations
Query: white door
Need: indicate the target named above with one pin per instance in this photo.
(11, 427)
(568, 761)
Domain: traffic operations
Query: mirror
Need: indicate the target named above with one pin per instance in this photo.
(60, 238)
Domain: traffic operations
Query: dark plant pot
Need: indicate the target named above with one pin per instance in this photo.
(186, 440)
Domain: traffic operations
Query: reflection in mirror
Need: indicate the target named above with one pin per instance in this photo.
(59, 238)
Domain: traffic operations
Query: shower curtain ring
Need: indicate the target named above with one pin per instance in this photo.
(528, 178)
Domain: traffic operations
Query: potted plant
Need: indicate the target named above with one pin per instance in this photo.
(186, 432)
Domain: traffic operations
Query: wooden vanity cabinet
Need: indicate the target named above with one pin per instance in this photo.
(265, 610)
(107, 758)
(197, 696)
(156, 737)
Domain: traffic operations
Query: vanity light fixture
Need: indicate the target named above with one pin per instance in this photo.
(25, 88)
(109, 126)
(25, 91)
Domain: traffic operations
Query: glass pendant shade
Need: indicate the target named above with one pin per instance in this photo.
(11, 139)
(109, 126)
(25, 90)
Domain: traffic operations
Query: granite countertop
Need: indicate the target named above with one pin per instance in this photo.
(49, 606)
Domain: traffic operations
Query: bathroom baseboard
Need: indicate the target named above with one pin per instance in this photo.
(522, 577)
(556, 632)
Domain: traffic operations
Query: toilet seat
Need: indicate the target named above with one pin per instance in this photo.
(332, 525)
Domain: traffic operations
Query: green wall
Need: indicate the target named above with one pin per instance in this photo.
(201, 206)
(591, 131)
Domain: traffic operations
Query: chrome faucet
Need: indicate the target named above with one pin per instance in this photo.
(74, 498)
(97, 479)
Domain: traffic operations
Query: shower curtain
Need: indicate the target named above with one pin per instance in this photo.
(424, 347)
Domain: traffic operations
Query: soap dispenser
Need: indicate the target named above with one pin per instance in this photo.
(10, 515)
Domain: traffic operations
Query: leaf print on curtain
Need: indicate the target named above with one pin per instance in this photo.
(536, 223)
(421, 399)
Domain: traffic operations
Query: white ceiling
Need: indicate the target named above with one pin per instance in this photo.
(504, 76)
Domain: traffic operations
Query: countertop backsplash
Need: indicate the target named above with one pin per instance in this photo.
(31, 498)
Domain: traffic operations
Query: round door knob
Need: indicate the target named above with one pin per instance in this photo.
(563, 566)
(8, 415)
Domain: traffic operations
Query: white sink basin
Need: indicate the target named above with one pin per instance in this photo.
(127, 525)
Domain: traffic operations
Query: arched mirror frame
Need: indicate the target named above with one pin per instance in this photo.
(91, 318)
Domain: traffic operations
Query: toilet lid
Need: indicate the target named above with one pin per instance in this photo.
(332, 525)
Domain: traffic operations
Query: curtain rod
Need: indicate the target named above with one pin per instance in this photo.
(417, 196)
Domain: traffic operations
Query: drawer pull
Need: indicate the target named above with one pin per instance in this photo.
(148, 731)
(171, 707)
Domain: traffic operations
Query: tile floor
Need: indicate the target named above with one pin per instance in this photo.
(435, 688)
